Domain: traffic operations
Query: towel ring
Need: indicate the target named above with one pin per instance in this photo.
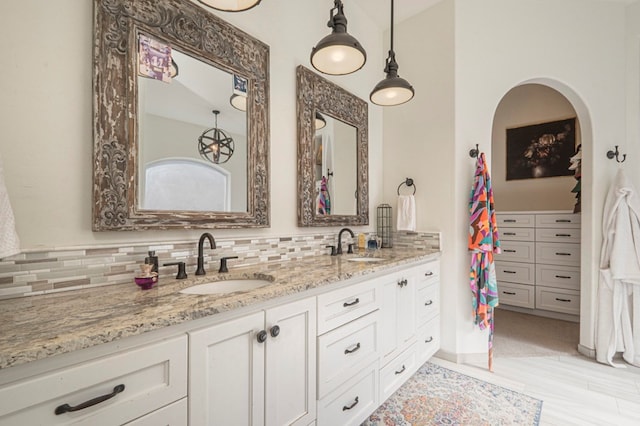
(408, 182)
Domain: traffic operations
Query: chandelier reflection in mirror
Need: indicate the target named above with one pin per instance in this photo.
(215, 145)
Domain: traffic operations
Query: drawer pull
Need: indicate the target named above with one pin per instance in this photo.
(261, 336)
(349, 407)
(509, 272)
(509, 233)
(563, 235)
(429, 340)
(355, 302)
(66, 408)
(563, 220)
(563, 300)
(428, 302)
(509, 251)
(509, 293)
(428, 274)
(566, 277)
(350, 351)
(510, 221)
(563, 254)
(401, 370)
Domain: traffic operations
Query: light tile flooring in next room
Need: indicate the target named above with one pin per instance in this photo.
(538, 357)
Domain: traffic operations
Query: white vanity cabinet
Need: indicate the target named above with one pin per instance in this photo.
(255, 370)
(348, 352)
(135, 385)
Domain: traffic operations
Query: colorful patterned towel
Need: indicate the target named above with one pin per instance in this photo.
(483, 243)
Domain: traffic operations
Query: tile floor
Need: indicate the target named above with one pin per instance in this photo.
(546, 365)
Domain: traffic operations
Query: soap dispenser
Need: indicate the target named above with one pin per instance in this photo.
(152, 259)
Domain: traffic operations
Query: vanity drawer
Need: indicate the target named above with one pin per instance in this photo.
(428, 340)
(171, 415)
(557, 276)
(558, 300)
(341, 306)
(516, 234)
(153, 376)
(429, 273)
(516, 295)
(515, 220)
(344, 350)
(428, 306)
(517, 251)
(514, 272)
(352, 402)
(558, 253)
(396, 372)
(558, 235)
(559, 220)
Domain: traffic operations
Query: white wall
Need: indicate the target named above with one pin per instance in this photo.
(497, 45)
(419, 136)
(46, 113)
(522, 106)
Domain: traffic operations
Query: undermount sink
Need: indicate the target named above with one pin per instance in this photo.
(226, 286)
(364, 259)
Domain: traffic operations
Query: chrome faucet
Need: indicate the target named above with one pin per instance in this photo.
(212, 244)
(339, 249)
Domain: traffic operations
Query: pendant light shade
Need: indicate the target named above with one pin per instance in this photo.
(239, 102)
(339, 53)
(393, 90)
(231, 5)
(320, 121)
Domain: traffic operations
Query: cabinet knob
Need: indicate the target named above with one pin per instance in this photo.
(403, 282)
(261, 336)
(274, 331)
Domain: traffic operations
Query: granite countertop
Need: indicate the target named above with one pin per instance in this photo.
(38, 327)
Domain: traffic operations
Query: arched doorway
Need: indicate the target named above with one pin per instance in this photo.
(540, 101)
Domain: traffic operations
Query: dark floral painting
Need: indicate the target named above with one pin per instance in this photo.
(541, 150)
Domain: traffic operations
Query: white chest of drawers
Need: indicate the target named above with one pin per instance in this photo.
(539, 267)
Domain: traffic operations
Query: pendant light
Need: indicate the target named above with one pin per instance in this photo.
(393, 90)
(214, 145)
(320, 121)
(339, 53)
(231, 5)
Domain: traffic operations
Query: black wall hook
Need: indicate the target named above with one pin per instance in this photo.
(612, 154)
(473, 153)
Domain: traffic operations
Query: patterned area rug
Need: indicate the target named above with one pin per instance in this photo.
(438, 396)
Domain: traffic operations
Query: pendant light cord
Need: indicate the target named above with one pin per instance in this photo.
(392, 26)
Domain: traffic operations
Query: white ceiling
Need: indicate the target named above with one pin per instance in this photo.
(380, 10)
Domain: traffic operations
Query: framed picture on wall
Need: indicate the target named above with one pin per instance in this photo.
(541, 150)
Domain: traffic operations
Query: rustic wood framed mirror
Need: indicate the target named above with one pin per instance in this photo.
(122, 96)
(333, 169)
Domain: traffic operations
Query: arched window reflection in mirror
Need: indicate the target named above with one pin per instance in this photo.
(173, 114)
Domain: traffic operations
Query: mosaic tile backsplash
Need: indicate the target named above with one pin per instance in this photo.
(39, 272)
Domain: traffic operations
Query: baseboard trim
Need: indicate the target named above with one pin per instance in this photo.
(471, 358)
(588, 352)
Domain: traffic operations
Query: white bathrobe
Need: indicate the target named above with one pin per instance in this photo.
(618, 316)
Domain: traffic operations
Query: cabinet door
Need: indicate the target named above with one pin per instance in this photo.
(398, 323)
(226, 373)
(290, 387)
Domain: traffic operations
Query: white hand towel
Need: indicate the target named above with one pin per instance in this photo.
(406, 213)
(9, 242)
